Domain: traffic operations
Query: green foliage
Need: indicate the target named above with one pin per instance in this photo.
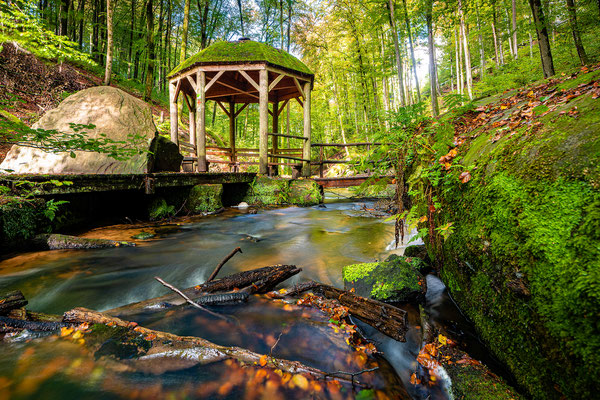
(18, 23)
(52, 208)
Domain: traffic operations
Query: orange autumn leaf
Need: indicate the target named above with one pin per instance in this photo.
(465, 177)
(263, 360)
(150, 337)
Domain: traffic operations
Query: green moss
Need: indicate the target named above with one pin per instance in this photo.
(267, 191)
(473, 383)
(205, 198)
(305, 192)
(242, 51)
(396, 279)
(524, 260)
(581, 78)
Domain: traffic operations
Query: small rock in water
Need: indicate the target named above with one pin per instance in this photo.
(243, 204)
(143, 235)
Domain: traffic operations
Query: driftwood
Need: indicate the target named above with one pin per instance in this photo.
(12, 325)
(227, 258)
(11, 300)
(212, 352)
(259, 280)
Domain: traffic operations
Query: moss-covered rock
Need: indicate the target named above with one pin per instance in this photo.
(305, 192)
(205, 199)
(523, 261)
(55, 241)
(395, 280)
(265, 191)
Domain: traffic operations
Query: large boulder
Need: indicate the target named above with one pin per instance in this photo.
(115, 114)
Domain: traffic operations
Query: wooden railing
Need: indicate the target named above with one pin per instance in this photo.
(288, 157)
(322, 161)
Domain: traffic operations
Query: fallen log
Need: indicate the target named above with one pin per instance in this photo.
(208, 351)
(260, 280)
(55, 241)
(11, 300)
(384, 317)
(12, 325)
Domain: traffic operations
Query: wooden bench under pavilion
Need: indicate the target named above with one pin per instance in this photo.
(234, 75)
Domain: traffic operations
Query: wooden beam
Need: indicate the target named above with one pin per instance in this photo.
(173, 113)
(289, 73)
(264, 121)
(213, 80)
(178, 89)
(250, 80)
(191, 81)
(275, 139)
(237, 90)
(241, 109)
(282, 106)
(222, 107)
(307, 131)
(299, 101)
(232, 115)
(275, 82)
(299, 87)
(201, 122)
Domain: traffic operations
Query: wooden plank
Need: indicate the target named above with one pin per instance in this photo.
(287, 136)
(288, 157)
(283, 106)
(213, 80)
(250, 80)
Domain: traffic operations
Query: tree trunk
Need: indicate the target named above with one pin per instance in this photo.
(480, 39)
(397, 51)
(150, 47)
(575, 32)
(64, 17)
(494, 33)
(432, 66)
(458, 57)
(184, 30)
(95, 30)
(465, 32)
(412, 52)
(542, 35)
(109, 42)
(81, 19)
(514, 29)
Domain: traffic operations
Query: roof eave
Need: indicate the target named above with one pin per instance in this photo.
(267, 63)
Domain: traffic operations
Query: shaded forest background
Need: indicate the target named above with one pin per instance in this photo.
(371, 58)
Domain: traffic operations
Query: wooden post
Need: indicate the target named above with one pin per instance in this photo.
(232, 158)
(263, 138)
(173, 112)
(193, 121)
(201, 122)
(275, 138)
(307, 122)
(321, 169)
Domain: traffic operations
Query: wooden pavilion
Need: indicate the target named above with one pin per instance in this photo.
(234, 75)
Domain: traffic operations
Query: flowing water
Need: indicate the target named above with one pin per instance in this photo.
(320, 240)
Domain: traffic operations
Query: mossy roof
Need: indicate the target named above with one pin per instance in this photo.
(243, 51)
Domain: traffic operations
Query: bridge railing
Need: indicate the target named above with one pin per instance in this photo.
(288, 157)
(322, 161)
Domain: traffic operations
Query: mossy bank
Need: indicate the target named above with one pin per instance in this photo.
(523, 260)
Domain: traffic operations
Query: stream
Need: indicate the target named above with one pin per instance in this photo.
(320, 240)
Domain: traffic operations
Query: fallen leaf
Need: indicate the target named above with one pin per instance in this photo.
(465, 177)
(263, 360)
(300, 381)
